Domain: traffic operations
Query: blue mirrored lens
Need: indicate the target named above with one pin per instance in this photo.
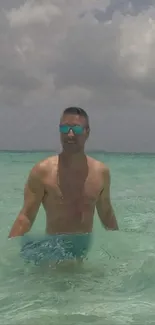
(77, 129)
(64, 128)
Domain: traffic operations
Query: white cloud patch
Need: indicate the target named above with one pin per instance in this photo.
(33, 13)
(137, 42)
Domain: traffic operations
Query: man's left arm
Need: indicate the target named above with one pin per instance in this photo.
(104, 206)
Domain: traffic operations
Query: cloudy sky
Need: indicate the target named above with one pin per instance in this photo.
(97, 54)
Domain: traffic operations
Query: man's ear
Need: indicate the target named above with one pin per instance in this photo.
(87, 131)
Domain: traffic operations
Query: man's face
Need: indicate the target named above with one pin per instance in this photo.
(74, 132)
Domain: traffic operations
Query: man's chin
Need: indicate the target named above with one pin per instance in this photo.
(71, 148)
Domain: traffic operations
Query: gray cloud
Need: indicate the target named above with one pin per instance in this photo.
(132, 7)
(17, 79)
(96, 54)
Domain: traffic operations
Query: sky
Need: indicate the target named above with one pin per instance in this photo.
(95, 54)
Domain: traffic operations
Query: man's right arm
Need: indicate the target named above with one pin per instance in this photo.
(33, 195)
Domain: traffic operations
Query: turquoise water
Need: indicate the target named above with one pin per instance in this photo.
(116, 284)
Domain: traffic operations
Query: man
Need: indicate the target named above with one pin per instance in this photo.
(69, 186)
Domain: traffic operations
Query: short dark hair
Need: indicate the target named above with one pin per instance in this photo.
(76, 111)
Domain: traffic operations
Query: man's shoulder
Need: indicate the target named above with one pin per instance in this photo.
(43, 166)
(98, 165)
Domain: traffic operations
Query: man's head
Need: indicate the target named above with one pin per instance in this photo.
(74, 129)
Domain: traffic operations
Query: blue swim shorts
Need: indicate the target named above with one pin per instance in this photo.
(55, 247)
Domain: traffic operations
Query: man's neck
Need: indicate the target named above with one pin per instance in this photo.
(73, 161)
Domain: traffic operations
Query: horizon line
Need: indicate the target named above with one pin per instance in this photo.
(87, 151)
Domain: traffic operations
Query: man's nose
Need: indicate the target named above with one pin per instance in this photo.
(71, 133)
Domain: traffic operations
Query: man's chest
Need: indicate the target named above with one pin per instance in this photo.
(73, 188)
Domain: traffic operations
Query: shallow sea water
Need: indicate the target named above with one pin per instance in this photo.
(116, 284)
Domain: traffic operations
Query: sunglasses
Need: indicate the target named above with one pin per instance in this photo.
(77, 129)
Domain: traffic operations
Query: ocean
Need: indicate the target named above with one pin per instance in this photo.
(116, 284)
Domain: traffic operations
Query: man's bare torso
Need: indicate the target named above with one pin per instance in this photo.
(70, 196)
